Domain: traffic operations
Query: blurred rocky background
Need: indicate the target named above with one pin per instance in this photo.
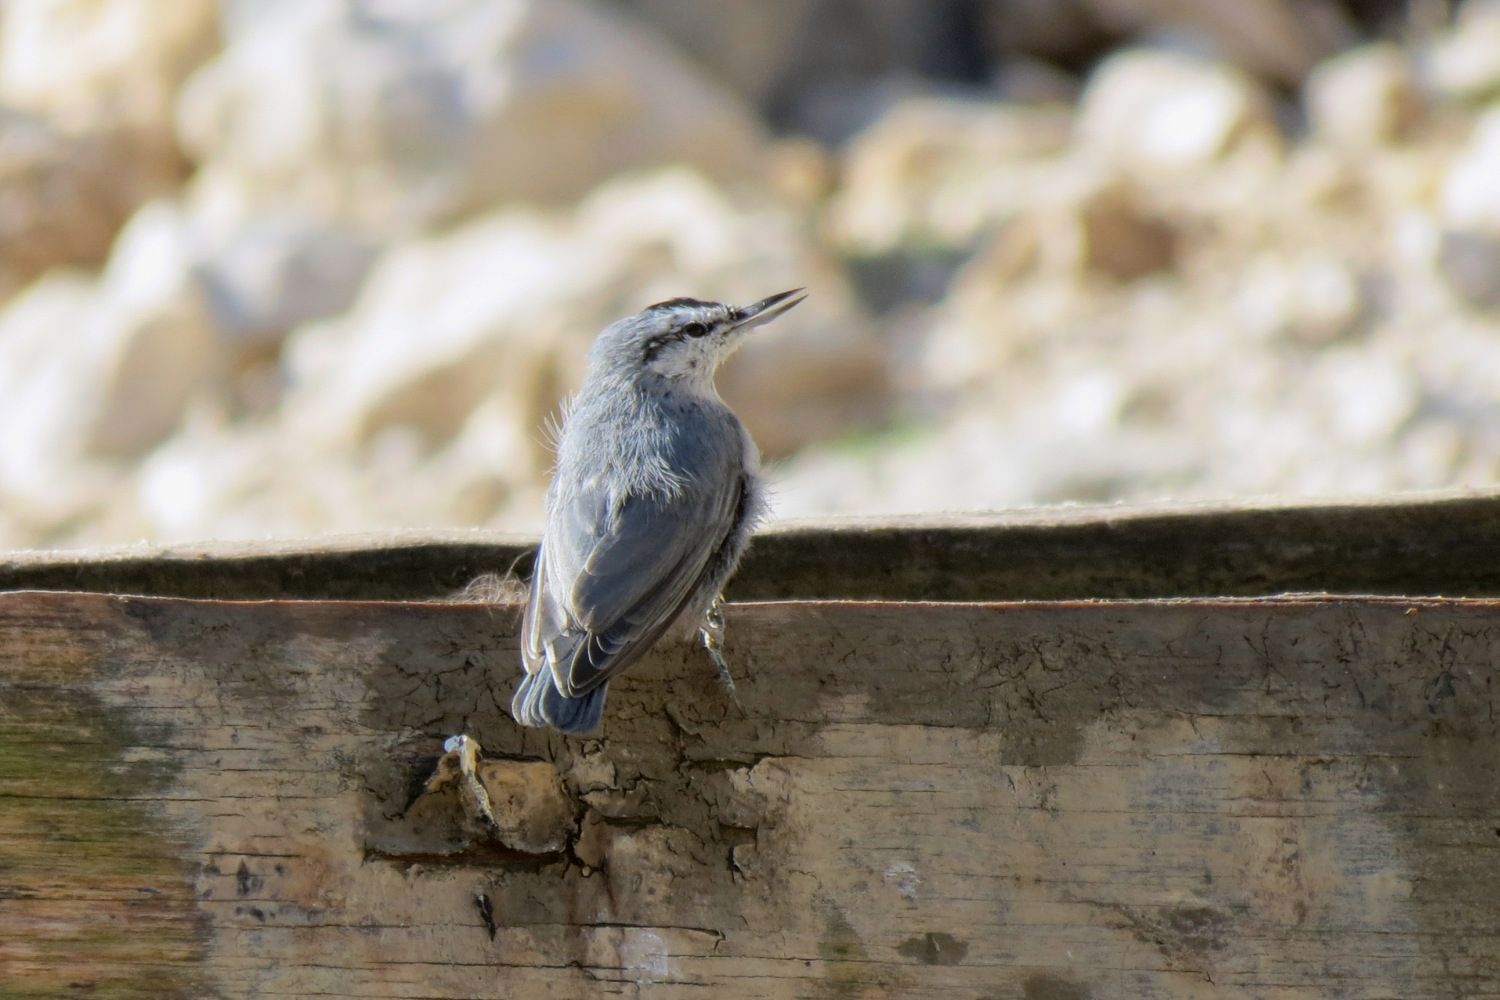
(283, 267)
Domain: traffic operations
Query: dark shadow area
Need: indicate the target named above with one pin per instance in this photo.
(1448, 546)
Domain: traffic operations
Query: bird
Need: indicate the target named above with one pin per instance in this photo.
(655, 493)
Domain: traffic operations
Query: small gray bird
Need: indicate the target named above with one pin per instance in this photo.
(656, 491)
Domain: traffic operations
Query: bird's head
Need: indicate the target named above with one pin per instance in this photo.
(685, 340)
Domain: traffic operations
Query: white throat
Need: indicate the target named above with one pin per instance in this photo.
(691, 366)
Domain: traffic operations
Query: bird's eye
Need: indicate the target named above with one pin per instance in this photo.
(695, 329)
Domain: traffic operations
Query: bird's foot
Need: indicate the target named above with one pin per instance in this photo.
(712, 633)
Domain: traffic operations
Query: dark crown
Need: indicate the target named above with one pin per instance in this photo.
(673, 304)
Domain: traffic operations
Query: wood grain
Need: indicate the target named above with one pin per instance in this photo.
(1051, 801)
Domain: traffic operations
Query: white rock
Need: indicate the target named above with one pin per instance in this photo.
(1364, 98)
(1368, 398)
(201, 483)
(1079, 223)
(1470, 195)
(228, 481)
(274, 274)
(222, 481)
(42, 386)
(1089, 401)
(441, 324)
(240, 17)
(153, 259)
(93, 372)
(1429, 453)
(267, 272)
(260, 278)
(1312, 296)
(1465, 62)
(505, 308)
(1161, 110)
(413, 112)
(939, 171)
(152, 345)
(103, 63)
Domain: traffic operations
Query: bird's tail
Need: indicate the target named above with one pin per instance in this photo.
(537, 702)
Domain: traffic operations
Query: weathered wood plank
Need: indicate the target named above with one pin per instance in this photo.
(1271, 799)
(1428, 544)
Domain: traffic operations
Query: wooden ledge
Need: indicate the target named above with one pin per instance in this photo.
(1092, 801)
(1132, 784)
(1446, 543)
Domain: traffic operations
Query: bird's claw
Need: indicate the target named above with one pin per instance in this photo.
(712, 633)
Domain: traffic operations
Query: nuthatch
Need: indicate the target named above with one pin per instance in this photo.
(655, 494)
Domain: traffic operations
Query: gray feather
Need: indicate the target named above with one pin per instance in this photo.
(653, 500)
(616, 573)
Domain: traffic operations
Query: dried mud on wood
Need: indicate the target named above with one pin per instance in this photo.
(1270, 799)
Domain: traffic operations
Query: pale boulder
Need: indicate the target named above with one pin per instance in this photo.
(1464, 62)
(1470, 193)
(92, 84)
(103, 63)
(500, 314)
(152, 344)
(1165, 111)
(1365, 398)
(1081, 223)
(95, 372)
(405, 115)
(1365, 98)
(274, 274)
(940, 171)
(1313, 297)
(1468, 255)
(43, 385)
(440, 324)
(211, 481)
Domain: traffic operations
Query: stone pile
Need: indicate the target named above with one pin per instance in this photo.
(284, 267)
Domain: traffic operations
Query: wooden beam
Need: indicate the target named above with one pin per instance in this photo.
(1445, 544)
(1052, 801)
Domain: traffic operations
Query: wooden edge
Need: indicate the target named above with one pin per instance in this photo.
(814, 605)
(1438, 544)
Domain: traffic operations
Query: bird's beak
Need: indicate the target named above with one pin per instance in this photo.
(767, 309)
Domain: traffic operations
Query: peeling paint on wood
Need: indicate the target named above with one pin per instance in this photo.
(1070, 801)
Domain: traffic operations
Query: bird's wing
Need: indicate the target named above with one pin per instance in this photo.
(614, 574)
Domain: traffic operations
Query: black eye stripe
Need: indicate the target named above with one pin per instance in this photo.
(652, 348)
(654, 345)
